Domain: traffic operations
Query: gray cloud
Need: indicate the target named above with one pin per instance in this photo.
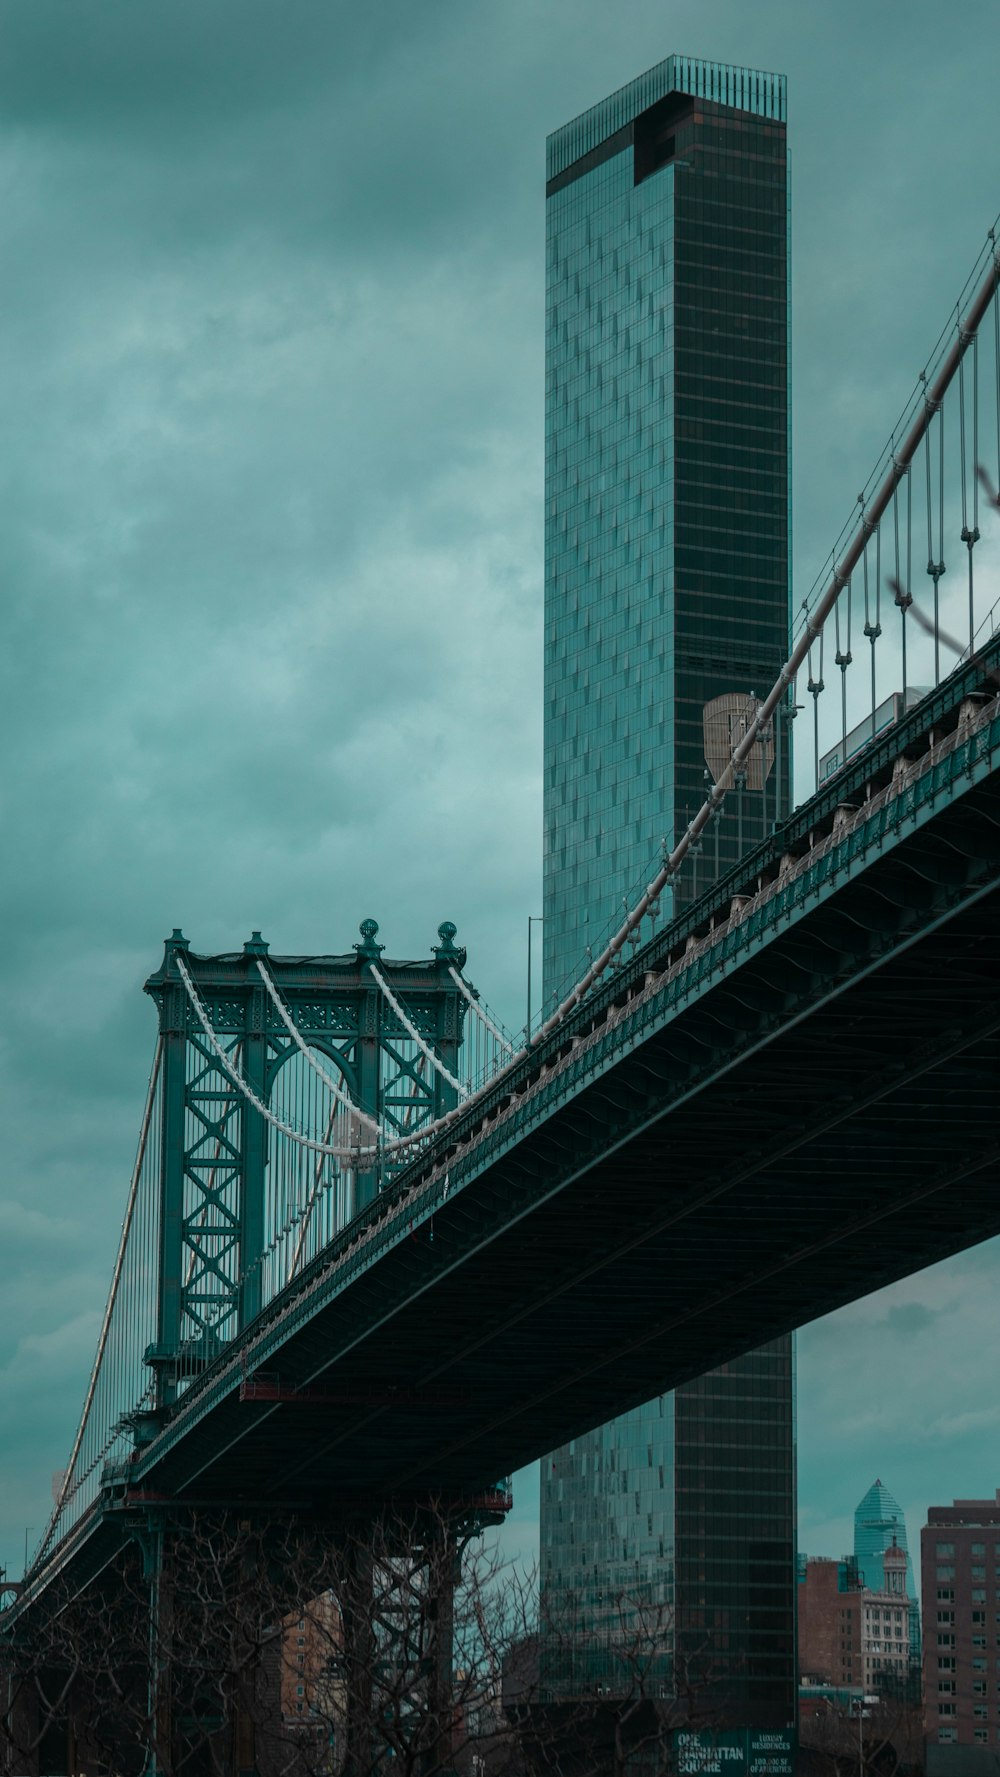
(907, 1318)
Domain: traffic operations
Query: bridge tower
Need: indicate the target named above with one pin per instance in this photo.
(284, 1086)
(232, 1154)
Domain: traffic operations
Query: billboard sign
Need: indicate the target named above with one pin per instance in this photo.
(708, 1754)
(770, 1752)
(734, 1752)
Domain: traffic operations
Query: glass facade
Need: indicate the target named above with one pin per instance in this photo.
(669, 1533)
(667, 474)
(734, 1513)
(608, 1541)
(878, 1522)
(666, 589)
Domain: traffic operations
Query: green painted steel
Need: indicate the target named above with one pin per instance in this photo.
(217, 1147)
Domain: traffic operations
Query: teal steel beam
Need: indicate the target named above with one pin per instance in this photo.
(254, 1140)
(448, 1021)
(369, 1058)
(173, 1030)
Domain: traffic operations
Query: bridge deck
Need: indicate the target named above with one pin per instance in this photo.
(748, 1126)
(800, 1114)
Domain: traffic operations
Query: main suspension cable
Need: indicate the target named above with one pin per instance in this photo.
(233, 1073)
(812, 629)
(332, 1085)
(479, 1010)
(412, 1032)
(116, 1276)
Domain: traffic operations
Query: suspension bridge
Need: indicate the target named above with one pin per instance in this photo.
(376, 1246)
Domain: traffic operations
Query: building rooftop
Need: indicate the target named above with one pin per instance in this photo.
(747, 89)
(967, 1511)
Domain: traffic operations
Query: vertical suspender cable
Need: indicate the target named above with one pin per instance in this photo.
(871, 629)
(961, 434)
(316, 1184)
(975, 433)
(902, 596)
(814, 686)
(935, 567)
(974, 538)
(909, 558)
(970, 533)
(996, 366)
(843, 661)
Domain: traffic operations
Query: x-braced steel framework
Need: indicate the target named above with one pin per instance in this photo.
(242, 1201)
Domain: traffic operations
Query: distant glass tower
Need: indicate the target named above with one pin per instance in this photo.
(666, 607)
(878, 1523)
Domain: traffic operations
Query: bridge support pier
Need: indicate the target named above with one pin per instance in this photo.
(397, 1585)
(443, 1565)
(22, 1724)
(159, 1635)
(358, 1630)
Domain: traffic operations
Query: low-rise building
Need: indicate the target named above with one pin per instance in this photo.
(829, 1613)
(852, 1636)
(960, 1577)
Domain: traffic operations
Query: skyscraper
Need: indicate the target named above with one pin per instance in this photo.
(666, 608)
(666, 475)
(878, 1523)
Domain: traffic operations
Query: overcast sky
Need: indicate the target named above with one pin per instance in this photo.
(271, 469)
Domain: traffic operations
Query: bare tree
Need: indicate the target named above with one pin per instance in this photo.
(162, 1662)
(303, 1649)
(870, 1736)
(215, 1644)
(613, 1689)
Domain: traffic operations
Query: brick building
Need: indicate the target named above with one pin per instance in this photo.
(312, 1700)
(960, 1578)
(851, 1636)
(829, 1610)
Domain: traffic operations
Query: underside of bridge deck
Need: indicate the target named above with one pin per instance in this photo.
(820, 1122)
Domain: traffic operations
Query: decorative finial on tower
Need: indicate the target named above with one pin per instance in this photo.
(255, 945)
(368, 949)
(448, 951)
(173, 946)
(176, 942)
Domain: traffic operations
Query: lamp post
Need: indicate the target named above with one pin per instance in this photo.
(858, 1706)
